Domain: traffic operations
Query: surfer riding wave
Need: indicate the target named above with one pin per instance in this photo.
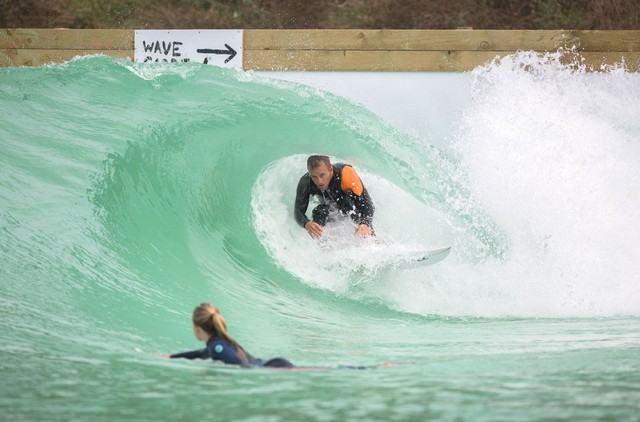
(339, 188)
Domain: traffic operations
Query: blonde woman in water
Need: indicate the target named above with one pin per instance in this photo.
(210, 327)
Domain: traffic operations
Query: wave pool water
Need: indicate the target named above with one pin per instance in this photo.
(131, 193)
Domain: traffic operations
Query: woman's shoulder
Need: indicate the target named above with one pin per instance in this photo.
(218, 345)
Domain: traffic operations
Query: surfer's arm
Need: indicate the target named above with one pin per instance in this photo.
(364, 208)
(352, 185)
(193, 354)
(302, 201)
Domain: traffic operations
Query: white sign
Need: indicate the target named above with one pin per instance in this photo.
(218, 47)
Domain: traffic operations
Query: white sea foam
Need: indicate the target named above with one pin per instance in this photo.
(550, 153)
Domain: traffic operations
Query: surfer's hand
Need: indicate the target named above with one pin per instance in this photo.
(363, 230)
(314, 229)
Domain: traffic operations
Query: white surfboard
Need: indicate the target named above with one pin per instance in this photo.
(433, 256)
(419, 259)
(372, 252)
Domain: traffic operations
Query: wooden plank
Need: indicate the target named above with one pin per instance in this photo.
(351, 60)
(403, 40)
(32, 57)
(627, 41)
(434, 40)
(594, 60)
(482, 40)
(335, 50)
(420, 61)
(67, 39)
(334, 60)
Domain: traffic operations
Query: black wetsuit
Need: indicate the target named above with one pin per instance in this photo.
(347, 200)
(219, 349)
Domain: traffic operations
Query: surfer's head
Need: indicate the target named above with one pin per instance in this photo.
(320, 171)
(207, 318)
(208, 323)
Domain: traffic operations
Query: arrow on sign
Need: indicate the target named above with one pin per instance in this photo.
(230, 51)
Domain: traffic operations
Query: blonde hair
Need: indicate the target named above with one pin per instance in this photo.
(207, 317)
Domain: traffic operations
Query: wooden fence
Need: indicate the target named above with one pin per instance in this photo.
(342, 50)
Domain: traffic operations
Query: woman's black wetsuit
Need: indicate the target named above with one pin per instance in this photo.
(219, 349)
